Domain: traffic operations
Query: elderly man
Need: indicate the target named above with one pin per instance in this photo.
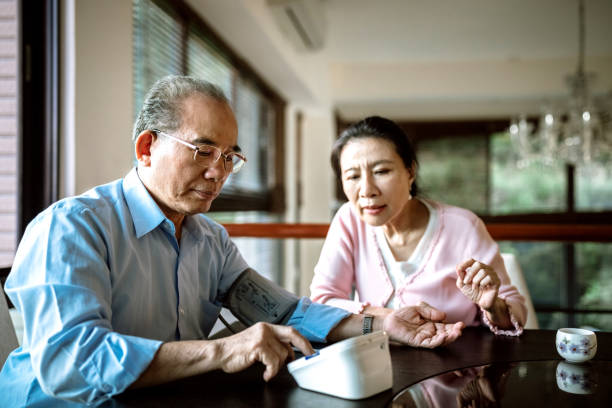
(119, 287)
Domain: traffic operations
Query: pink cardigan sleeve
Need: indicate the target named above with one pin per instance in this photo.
(334, 274)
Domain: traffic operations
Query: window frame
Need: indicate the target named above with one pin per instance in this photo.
(38, 111)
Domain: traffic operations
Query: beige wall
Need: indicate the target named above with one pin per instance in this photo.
(98, 104)
(318, 131)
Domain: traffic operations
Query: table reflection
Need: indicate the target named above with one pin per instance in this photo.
(528, 383)
(576, 378)
(472, 387)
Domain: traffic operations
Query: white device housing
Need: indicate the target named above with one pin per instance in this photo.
(354, 368)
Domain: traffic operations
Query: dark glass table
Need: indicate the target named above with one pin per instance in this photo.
(531, 361)
(527, 383)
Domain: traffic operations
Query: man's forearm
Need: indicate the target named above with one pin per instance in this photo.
(179, 359)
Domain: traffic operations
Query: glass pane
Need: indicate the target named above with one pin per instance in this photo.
(595, 321)
(157, 46)
(594, 275)
(593, 189)
(252, 137)
(206, 61)
(552, 321)
(454, 170)
(262, 254)
(543, 265)
(9, 131)
(536, 188)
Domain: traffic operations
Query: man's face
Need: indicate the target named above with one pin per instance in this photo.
(179, 185)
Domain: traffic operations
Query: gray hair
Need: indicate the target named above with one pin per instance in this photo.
(161, 108)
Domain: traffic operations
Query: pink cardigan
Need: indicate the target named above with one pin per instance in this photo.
(351, 256)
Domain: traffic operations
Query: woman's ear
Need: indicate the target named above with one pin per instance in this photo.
(143, 147)
(413, 170)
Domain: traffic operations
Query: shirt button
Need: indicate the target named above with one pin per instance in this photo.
(181, 310)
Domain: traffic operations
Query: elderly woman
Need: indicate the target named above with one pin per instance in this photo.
(396, 248)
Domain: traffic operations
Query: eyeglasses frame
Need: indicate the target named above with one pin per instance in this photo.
(197, 151)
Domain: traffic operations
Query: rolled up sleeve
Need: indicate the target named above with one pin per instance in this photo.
(314, 320)
(61, 284)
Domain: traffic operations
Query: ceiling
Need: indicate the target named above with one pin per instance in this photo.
(414, 59)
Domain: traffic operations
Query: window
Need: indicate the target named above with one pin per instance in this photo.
(8, 131)
(459, 171)
(169, 38)
(28, 117)
(532, 189)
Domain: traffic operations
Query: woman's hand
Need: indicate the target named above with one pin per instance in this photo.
(421, 326)
(478, 282)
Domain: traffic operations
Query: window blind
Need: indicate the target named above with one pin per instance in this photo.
(157, 46)
(8, 131)
(169, 38)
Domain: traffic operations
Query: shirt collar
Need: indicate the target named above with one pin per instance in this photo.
(145, 212)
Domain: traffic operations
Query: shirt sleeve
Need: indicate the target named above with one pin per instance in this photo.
(61, 284)
(314, 320)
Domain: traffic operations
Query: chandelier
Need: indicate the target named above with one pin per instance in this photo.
(577, 132)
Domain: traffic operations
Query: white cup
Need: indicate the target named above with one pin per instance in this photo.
(576, 378)
(576, 345)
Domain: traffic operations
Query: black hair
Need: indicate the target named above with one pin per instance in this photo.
(380, 128)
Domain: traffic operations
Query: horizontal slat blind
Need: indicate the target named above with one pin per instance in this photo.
(157, 46)
(8, 131)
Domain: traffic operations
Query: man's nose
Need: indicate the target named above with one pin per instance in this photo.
(216, 170)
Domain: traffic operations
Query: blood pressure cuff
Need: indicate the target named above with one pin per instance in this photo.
(252, 298)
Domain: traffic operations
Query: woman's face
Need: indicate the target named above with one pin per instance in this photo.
(375, 179)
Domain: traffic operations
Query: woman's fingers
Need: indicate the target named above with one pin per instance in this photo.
(461, 268)
(479, 276)
(486, 281)
(471, 272)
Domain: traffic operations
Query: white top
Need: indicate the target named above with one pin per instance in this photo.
(399, 270)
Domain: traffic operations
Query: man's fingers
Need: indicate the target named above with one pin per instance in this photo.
(429, 312)
(272, 361)
(290, 353)
(289, 335)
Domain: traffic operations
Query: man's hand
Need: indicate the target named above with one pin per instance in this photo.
(267, 343)
(478, 282)
(421, 326)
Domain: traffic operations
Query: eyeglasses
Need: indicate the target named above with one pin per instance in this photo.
(206, 154)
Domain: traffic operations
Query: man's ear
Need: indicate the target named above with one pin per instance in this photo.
(143, 147)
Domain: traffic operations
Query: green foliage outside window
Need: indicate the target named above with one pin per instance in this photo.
(537, 188)
(454, 171)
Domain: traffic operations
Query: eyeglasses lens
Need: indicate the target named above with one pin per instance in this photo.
(205, 155)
